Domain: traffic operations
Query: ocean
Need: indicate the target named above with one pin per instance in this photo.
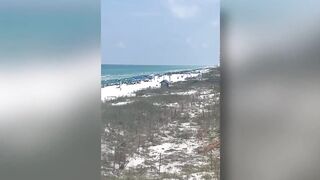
(129, 74)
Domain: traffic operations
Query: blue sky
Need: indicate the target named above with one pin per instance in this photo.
(160, 32)
(48, 28)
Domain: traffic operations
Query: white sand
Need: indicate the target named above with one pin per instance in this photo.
(115, 91)
(121, 103)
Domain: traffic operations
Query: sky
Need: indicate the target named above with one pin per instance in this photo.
(160, 32)
(45, 30)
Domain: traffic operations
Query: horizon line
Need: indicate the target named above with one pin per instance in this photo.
(160, 64)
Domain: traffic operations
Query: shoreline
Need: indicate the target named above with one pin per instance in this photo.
(128, 90)
(179, 123)
(146, 76)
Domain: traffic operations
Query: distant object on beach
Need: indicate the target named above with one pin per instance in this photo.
(164, 84)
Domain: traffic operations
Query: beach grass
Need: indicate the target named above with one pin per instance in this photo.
(134, 126)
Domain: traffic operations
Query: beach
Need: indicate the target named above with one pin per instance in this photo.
(122, 90)
(154, 132)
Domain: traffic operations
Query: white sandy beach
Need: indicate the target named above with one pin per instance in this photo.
(115, 91)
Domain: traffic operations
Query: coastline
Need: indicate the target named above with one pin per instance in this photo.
(128, 90)
(181, 124)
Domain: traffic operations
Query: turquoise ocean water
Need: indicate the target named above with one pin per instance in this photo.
(114, 74)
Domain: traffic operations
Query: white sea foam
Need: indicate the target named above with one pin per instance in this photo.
(127, 90)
